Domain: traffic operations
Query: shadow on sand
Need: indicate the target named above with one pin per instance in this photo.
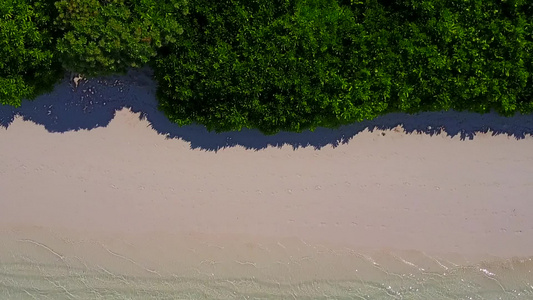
(94, 103)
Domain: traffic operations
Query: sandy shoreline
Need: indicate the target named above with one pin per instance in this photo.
(406, 192)
(125, 199)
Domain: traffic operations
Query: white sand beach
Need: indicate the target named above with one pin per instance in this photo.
(122, 210)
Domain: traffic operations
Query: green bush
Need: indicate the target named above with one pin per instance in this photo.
(28, 65)
(102, 37)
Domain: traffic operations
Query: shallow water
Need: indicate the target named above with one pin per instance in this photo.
(46, 281)
(62, 267)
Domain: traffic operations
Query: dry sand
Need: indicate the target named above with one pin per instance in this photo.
(127, 201)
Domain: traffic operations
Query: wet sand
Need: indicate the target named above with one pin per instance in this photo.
(122, 211)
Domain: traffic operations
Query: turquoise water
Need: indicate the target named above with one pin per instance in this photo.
(505, 279)
(43, 265)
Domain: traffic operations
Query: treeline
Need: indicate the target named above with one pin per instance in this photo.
(280, 64)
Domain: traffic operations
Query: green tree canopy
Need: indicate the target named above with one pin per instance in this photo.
(297, 64)
(28, 65)
(465, 55)
(281, 64)
(273, 65)
(103, 37)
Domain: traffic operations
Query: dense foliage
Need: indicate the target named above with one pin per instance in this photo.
(467, 55)
(282, 64)
(266, 64)
(28, 66)
(290, 65)
(106, 37)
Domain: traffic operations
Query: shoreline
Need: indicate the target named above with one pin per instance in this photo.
(409, 192)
